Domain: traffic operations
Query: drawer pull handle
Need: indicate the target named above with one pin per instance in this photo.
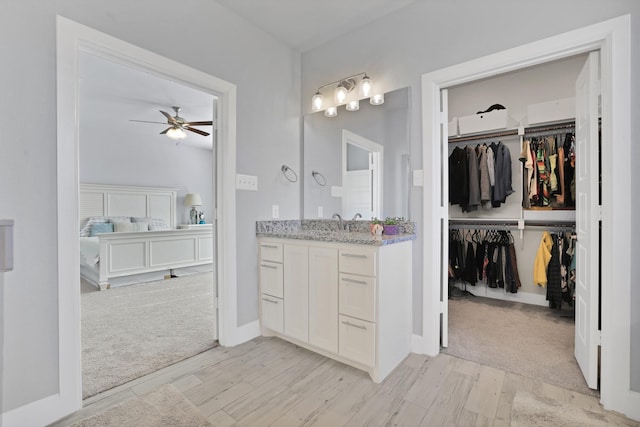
(270, 246)
(269, 266)
(268, 300)
(346, 322)
(360, 282)
(354, 256)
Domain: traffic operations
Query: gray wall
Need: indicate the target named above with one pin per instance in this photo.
(208, 38)
(428, 36)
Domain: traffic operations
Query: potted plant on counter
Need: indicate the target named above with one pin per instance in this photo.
(374, 225)
(391, 225)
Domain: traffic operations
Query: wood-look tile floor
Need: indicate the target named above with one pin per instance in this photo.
(268, 381)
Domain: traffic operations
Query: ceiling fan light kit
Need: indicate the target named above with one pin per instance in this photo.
(178, 125)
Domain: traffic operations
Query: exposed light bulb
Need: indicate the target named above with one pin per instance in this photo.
(176, 133)
(317, 101)
(366, 87)
(353, 105)
(331, 111)
(341, 94)
(377, 99)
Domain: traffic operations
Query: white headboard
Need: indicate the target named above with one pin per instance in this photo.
(126, 200)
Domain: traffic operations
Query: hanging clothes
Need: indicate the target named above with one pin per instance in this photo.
(541, 262)
(554, 287)
(480, 177)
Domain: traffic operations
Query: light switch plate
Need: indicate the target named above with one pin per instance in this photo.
(320, 212)
(275, 211)
(246, 182)
(336, 191)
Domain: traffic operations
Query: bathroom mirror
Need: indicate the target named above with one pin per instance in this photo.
(358, 162)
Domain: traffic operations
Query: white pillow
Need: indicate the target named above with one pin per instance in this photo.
(120, 227)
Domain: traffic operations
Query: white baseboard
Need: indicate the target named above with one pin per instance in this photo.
(418, 344)
(244, 333)
(482, 290)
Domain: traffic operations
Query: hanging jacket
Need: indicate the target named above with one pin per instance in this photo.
(541, 261)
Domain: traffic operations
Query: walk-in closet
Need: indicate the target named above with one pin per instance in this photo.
(512, 171)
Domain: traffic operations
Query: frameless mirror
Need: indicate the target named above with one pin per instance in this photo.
(358, 162)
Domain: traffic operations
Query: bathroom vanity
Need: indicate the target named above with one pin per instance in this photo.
(343, 294)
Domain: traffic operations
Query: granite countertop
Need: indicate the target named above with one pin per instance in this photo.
(327, 231)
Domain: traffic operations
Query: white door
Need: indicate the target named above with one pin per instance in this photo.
(443, 218)
(357, 196)
(587, 221)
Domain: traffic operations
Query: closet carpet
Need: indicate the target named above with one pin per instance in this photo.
(131, 331)
(529, 340)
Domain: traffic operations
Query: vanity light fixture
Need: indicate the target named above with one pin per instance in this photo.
(345, 93)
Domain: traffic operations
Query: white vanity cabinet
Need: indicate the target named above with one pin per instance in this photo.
(271, 286)
(350, 302)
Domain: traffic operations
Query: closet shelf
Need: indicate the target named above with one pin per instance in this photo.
(526, 131)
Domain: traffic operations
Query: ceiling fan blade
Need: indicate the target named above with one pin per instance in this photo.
(165, 131)
(147, 121)
(204, 123)
(168, 116)
(198, 131)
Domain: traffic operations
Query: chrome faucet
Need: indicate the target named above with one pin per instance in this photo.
(356, 216)
(340, 222)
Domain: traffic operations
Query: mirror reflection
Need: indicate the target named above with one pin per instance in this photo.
(358, 162)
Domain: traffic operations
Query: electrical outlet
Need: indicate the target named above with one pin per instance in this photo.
(275, 211)
(320, 212)
(246, 182)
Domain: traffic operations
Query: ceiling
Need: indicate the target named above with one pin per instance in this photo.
(112, 94)
(305, 24)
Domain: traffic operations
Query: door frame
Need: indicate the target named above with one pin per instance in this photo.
(72, 38)
(612, 39)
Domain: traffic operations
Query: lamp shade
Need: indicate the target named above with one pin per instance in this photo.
(340, 94)
(377, 99)
(317, 101)
(365, 87)
(331, 112)
(193, 199)
(176, 133)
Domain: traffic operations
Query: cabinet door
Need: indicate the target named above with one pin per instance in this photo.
(323, 298)
(358, 340)
(271, 278)
(272, 313)
(296, 291)
(358, 296)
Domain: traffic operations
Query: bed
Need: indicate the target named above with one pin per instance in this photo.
(128, 235)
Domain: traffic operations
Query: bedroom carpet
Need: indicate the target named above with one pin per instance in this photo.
(525, 339)
(130, 331)
(165, 406)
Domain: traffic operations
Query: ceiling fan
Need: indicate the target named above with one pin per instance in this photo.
(178, 125)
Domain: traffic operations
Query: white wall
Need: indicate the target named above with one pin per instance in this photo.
(427, 36)
(211, 39)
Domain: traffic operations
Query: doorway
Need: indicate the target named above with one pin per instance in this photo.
(609, 36)
(73, 38)
(490, 306)
(149, 318)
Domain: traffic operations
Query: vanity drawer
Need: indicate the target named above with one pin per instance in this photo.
(270, 251)
(357, 340)
(272, 313)
(271, 279)
(357, 296)
(356, 261)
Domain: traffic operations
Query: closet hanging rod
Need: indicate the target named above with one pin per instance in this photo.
(477, 137)
(528, 131)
